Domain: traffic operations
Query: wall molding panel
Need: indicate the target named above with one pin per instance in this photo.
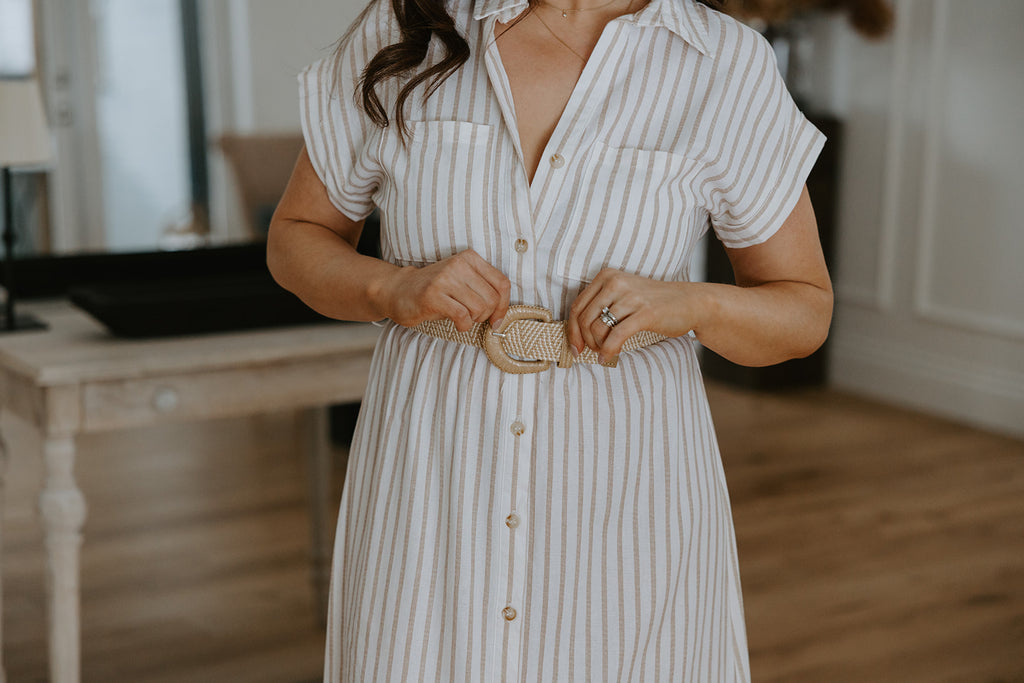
(925, 305)
(928, 207)
(970, 321)
(861, 296)
(896, 150)
(920, 339)
(241, 66)
(947, 385)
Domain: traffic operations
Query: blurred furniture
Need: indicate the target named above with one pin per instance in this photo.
(822, 186)
(75, 379)
(261, 165)
(194, 305)
(24, 141)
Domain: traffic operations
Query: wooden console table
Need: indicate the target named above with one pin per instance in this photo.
(75, 379)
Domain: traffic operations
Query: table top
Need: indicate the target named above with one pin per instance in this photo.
(77, 348)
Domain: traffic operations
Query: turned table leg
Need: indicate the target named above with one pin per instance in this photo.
(319, 467)
(63, 509)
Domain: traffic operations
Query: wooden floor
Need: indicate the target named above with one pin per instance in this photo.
(875, 545)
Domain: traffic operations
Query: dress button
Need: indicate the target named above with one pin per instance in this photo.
(557, 161)
(509, 613)
(522, 245)
(518, 428)
(512, 521)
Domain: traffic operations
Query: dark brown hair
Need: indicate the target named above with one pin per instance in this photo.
(418, 20)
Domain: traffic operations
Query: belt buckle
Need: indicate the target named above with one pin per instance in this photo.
(496, 352)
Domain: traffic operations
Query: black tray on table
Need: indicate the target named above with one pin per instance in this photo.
(165, 293)
(167, 307)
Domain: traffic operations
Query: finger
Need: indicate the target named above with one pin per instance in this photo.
(493, 291)
(498, 282)
(572, 324)
(621, 308)
(601, 292)
(495, 294)
(599, 329)
(461, 281)
(580, 306)
(617, 336)
(572, 333)
(590, 318)
(578, 323)
(504, 288)
(457, 312)
(477, 296)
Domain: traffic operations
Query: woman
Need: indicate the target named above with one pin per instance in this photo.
(506, 518)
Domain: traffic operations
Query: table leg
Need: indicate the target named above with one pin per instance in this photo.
(319, 468)
(3, 481)
(63, 509)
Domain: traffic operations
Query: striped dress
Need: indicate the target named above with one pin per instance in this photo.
(574, 524)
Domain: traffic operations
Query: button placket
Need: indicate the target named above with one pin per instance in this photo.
(518, 429)
(515, 612)
(512, 520)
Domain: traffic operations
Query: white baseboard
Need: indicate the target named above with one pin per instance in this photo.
(966, 390)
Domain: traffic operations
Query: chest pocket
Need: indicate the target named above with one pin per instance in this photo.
(635, 211)
(439, 198)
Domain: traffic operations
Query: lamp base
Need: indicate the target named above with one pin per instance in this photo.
(22, 323)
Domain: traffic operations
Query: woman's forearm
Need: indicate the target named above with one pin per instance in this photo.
(759, 325)
(780, 309)
(325, 271)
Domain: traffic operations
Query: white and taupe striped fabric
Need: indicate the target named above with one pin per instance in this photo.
(571, 525)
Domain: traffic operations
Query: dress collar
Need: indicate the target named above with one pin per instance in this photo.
(682, 17)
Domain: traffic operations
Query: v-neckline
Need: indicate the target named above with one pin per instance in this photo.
(500, 82)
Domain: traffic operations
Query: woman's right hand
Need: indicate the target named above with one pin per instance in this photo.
(311, 251)
(463, 287)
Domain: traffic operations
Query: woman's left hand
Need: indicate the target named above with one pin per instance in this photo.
(637, 302)
(780, 307)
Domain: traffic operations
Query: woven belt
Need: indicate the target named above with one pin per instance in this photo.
(527, 332)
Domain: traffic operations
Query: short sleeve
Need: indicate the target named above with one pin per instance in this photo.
(337, 132)
(765, 152)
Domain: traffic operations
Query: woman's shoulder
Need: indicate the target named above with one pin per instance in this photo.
(729, 39)
(377, 17)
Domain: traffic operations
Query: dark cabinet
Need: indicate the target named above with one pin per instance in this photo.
(822, 185)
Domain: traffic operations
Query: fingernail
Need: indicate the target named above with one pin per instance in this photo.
(573, 351)
(497, 325)
(601, 358)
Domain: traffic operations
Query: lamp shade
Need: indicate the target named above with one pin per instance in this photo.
(24, 135)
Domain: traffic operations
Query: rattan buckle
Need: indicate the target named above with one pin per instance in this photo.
(496, 351)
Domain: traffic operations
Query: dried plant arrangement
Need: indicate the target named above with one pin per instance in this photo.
(870, 18)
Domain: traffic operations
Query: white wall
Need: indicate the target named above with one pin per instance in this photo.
(269, 43)
(17, 48)
(253, 51)
(930, 290)
(141, 121)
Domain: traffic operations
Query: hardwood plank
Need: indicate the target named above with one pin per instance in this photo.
(876, 544)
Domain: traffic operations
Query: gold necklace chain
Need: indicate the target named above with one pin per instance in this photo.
(555, 35)
(565, 10)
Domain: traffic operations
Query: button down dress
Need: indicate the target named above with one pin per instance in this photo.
(570, 525)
